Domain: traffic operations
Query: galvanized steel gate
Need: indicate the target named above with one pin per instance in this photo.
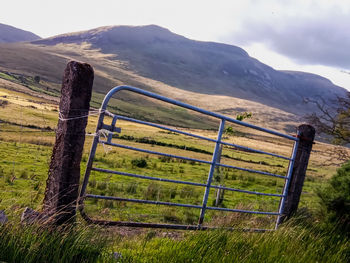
(213, 164)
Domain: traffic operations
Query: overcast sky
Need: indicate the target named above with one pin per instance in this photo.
(305, 35)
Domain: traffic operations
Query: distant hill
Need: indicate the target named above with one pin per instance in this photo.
(214, 76)
(203, 67)
(10, 34)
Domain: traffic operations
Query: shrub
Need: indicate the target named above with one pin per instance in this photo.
(335, 198)
(37, 79)
(139, 162)
(173, 193)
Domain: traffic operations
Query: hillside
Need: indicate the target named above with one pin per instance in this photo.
(214, 76)
(10, 34)
(203, 67)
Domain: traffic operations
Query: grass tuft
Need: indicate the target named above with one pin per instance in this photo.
(34, 243)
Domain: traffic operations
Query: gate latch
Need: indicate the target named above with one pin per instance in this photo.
(111, 128)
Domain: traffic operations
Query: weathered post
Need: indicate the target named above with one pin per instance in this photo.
(306, 134)
(64, 173)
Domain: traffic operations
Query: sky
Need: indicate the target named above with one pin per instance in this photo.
(302, 35)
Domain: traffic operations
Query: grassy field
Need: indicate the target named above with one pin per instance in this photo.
(29, 116)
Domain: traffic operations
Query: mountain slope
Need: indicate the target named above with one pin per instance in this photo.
(10, 34)
(202, 67)
(214, 76)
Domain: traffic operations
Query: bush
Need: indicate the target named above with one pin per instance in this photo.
(335, 198)
(37, 79)
(140, 162)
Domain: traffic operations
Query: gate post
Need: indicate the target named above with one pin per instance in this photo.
(64, 173)
(306, 135)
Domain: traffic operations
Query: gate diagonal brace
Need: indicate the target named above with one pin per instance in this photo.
(111, 128)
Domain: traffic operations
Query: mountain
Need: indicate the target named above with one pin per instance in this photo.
(218, 77)
(202, 67)
(10, 34)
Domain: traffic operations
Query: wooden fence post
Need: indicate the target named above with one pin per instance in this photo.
(306, 139)
(64, 173)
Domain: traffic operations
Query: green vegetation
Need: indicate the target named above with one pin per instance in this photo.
(33, 243)
(335, 198)
(244, 115)
(289, 244)
(6, 76)
(26, 139)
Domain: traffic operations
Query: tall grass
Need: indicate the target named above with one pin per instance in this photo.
(290, 244)
(34, 243)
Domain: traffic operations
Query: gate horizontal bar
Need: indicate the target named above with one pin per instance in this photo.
(255, 150)
(141, 201)
(242, 211)
(193, 135)
(167, 226)
(176, 204)
(251, 170)
(189, 159)
(190, 107)
(154, 152)
(181, 182)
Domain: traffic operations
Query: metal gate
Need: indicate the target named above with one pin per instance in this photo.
(111, 128)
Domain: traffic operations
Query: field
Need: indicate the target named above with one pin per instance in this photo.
(29, 115)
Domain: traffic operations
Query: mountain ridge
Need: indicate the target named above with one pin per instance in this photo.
(10, 34)
(204, 67)
(215, 76)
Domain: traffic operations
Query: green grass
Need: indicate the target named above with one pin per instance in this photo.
(25, 150)
(289, 244)
(6, 76)
(34, 243)
(23, 171)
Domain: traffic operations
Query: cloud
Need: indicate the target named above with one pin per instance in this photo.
(318, 39)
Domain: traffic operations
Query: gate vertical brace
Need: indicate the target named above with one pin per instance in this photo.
(211, 172)
(286, 184)
(90, 161)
